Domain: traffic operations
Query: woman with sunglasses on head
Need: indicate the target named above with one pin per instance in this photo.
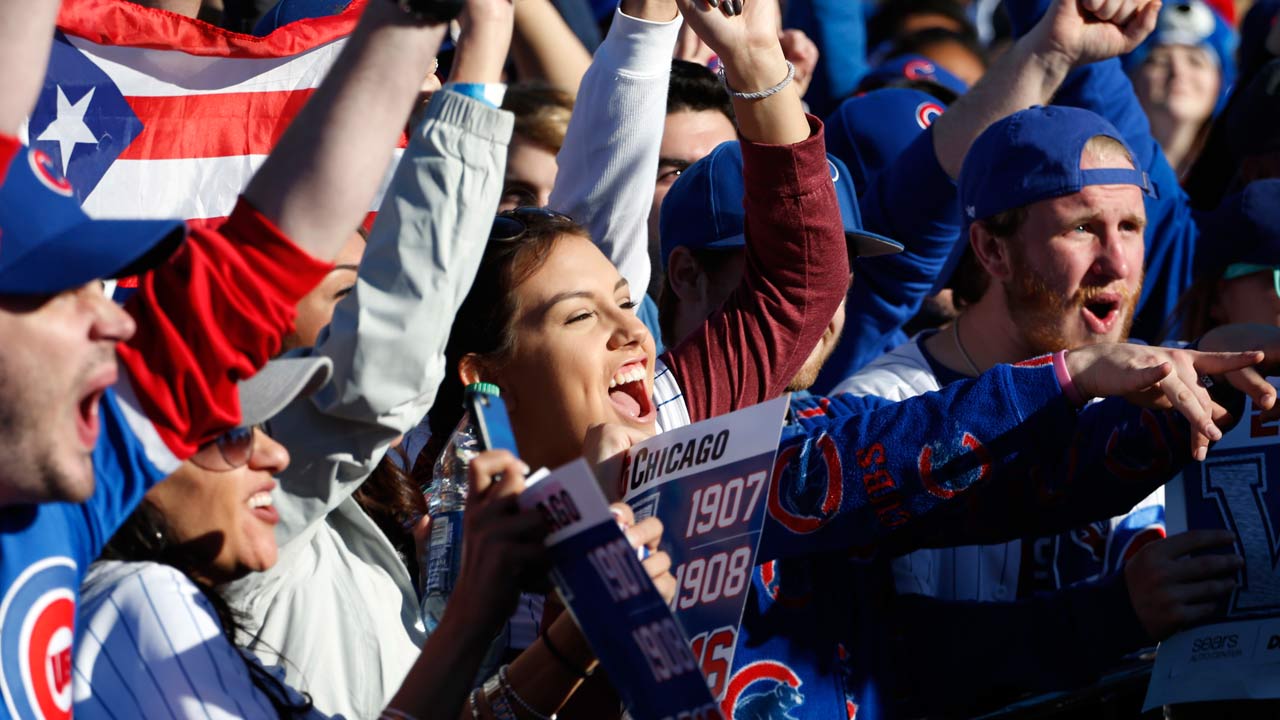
(158, 639)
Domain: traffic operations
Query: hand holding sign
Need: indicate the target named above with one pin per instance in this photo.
(1171, 589)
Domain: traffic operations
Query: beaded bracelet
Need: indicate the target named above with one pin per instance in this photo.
(760, 94)
(510, 692)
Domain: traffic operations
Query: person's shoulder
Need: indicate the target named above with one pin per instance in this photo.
(898, 374)
(133, 584)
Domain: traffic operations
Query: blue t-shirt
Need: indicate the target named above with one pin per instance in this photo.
(45, 551)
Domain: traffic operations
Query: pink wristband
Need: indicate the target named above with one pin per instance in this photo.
(1069, 389)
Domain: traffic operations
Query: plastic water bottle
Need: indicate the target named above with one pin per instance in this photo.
(446, 501)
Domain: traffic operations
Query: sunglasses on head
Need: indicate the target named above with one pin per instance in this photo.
(1238, 270)
(230, 450)
(511, 225)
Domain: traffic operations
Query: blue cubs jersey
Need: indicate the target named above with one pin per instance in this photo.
(814, 641)
(44, 552)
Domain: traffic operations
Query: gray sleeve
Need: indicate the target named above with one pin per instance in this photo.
(387, 338)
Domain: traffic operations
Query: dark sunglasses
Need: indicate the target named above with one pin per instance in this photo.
(511, 225)
(230, 450)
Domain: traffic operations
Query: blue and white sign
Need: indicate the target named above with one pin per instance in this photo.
(709, 484)
(1236, 488)
(633, 632)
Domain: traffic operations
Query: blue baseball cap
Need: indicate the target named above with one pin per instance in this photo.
(870, 131)
(48, 244)
(1248, 223)
(1194, 23)
(1029, 156)
(703, 208)
(912, 66)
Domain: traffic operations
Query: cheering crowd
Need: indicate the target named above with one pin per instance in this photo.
(1017, 263)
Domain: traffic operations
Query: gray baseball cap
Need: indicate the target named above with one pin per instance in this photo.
(279, 383)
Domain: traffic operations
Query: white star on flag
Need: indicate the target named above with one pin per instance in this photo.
(68, 128)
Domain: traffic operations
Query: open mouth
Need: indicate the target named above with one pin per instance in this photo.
(1101, 313)
(262, 507)
(628, 393)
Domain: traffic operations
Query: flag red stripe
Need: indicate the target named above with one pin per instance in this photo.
(204, 126)
(118, 22)
(219, 125)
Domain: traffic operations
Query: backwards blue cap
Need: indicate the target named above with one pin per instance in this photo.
(703, 208)
(48, 244)
(912, 66)
(1194, 23)
(1030, 156)
(870, 131)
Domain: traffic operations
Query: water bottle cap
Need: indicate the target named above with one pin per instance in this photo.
(483, 387)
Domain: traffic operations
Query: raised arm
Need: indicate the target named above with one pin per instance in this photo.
(26, 36)
(610, 154)
(797, 260)
(1072, 33)
(421, 258)
(545, 47)
(322, 176)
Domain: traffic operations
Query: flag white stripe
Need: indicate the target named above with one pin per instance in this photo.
(147, 72)
(193, 189)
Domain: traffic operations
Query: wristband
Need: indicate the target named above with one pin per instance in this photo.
(1069, 389)
(491, 94)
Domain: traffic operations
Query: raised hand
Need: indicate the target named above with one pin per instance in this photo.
(1250, 336)
(1085, 31)
(487, 26)
(648, 534)
(1171, 589)
(502, 546)
(1161, 378)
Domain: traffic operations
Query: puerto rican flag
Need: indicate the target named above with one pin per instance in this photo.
(152, 114)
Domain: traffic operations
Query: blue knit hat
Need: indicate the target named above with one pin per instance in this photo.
(1194, 23)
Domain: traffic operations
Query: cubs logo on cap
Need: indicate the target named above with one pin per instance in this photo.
(871, 131)
(926, 113)
(48, 243)
(37, 620)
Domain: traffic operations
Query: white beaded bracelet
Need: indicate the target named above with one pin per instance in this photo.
(762, 94)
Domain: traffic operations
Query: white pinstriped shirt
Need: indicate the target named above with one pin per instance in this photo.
(149, 645)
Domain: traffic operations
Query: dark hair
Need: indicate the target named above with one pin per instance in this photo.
(483, 324)
(918, 43)
(392, 498)
(145, 537)
(694, 88)
(970, 280)
(1192, 317)
(887, 23)
(542, 113)
(712, 261)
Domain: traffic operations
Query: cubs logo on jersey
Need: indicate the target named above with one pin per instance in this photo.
(763, 690)
(37, 619)
(806, 491)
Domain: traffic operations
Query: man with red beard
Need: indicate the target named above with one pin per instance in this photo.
(1053, 260)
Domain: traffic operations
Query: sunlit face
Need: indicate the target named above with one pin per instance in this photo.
(57, 357)
(315, 310)
(1251, 298)
(225, 518)
(1180, 81)
(687, 137)
(1075, 266)
(531, 173)
(581, 358)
